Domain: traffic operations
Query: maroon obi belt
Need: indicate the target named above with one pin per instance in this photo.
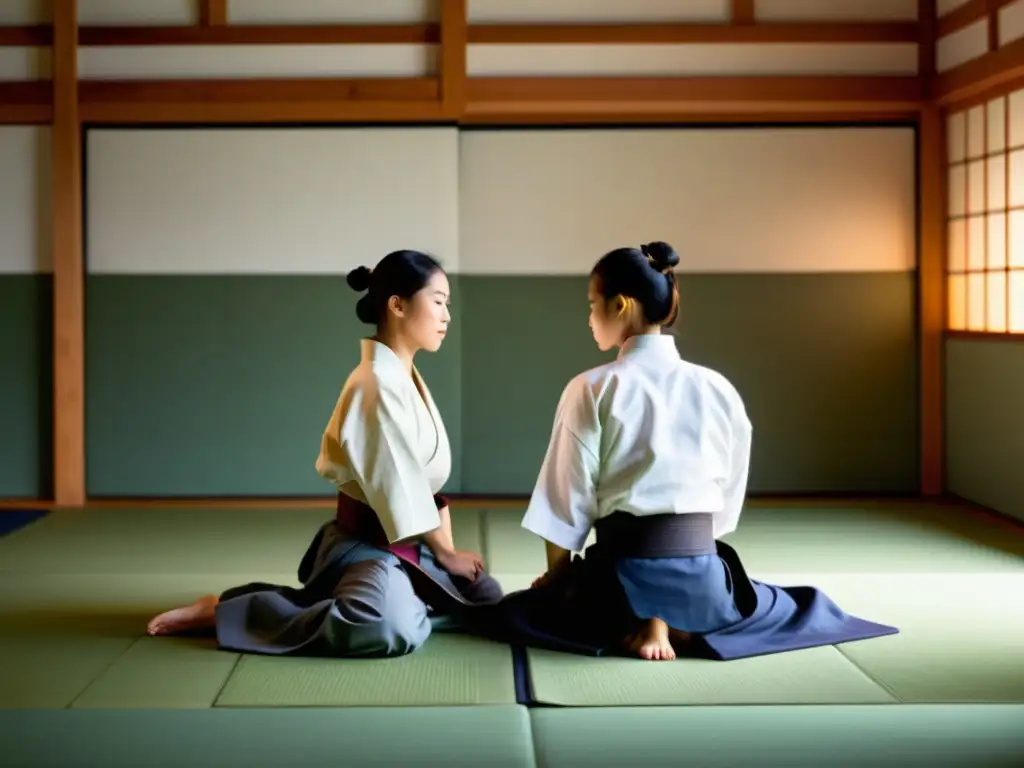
(358, 521)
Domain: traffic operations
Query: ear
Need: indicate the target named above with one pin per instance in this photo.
(396, 305)
(622, 305)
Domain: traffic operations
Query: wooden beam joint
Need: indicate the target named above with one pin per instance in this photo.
(743, 12)
(213, 13)
(454, 39)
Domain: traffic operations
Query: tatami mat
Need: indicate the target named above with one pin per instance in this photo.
(496, 737)
(46, 670)
(169, 673)
(794, 737)
(449, 670)
(961, 634)
(961, 640)
(813, 676)
(77, 588)
(903, 538)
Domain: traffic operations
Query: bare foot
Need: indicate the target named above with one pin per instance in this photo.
(196, 616)
(652, 642)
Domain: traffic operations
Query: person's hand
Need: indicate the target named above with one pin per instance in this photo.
(468, 565)
(541, 581)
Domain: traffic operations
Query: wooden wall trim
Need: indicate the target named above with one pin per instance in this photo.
(454, 26)
(931, 297)
(26, 103)
(472, 100)
(742, 12)
(68, 267)
(928, 24)
(898, 91)
(259, 89)
(796, 32)
(969, 13)
(36, 35)
(964, 16)
(213, 13)
(299, 34)
(264, 112)
(493, 34)
(982, 74)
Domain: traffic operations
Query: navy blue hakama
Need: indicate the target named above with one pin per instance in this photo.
(592, 603)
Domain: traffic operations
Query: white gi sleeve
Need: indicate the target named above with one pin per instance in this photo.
(563, 506)
(735, 490)
(377, 440)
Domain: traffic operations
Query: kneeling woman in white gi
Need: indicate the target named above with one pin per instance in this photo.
(652, 453)
(375, 575)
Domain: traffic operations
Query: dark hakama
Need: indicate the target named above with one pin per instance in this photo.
(669, 567)
(360, 597)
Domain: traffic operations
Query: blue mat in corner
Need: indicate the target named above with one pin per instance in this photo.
(13, 519)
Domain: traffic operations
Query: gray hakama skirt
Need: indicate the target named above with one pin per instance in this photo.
(356, 600)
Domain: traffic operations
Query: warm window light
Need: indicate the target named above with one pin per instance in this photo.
(985, 225)
(1016, 292)
(995, 245)
(957, 302)
(995, 302)
(976, 301)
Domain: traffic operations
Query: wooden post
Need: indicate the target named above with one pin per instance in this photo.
(213, 13)
(68, 267)
(743, 12)
(931, 271)
(454, 35)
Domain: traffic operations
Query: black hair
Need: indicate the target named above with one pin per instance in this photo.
(400, 273)
(644, 274)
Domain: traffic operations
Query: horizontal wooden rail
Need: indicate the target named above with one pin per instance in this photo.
(509, 34)
(967, 14)
(266, 90)
(982, 76)
(26, 103)
(717, 89)
(560, 34)
(334, 34)
(487, 99)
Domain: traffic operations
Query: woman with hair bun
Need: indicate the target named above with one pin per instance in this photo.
(651, 452)
(372, 576)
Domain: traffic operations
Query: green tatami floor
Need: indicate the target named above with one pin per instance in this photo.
(79, 586)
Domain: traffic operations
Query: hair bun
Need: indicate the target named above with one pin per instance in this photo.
(662, 255)
(359, 279)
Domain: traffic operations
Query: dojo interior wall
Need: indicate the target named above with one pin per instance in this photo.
(26, 301)
(219, 326)
(985, 253)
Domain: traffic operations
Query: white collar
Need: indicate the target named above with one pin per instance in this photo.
(374, 352)
(657, 345)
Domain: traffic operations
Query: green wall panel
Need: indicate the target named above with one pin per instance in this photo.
(222, 385)
(825, 363)
(985, 422)
(26, 386)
